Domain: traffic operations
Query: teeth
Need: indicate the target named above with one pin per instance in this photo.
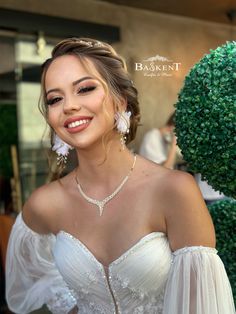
(77, 123)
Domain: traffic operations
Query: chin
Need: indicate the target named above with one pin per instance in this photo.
(88, 144)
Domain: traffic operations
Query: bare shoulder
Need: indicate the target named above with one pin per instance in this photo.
(187, 218)
(38, 209)
(148, 168)
(152, 174)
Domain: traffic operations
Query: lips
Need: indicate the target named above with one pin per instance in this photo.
(77, 124)
(76, 121)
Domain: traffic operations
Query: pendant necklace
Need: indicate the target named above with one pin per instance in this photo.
(103, 202)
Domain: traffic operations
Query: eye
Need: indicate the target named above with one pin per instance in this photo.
(53, 101)
(83, 90)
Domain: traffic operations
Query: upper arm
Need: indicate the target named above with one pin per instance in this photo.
(187, 218)
(35, 211)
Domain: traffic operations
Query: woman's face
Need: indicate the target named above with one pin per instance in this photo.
(75, 103)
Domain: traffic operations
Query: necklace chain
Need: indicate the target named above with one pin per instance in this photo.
(103, 202)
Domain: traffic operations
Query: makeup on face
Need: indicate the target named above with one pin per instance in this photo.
(83, 87)
(77, 102)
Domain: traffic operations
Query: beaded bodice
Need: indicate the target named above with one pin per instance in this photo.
(133, 283)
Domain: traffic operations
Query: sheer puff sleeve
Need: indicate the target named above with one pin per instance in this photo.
(198, 283)
(32, 279)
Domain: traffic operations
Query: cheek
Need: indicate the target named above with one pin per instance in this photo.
(102, 106)
(108, 112)
(98, 101)
(52, 117)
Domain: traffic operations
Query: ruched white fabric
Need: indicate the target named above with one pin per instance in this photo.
(148, 278)
(32, 278)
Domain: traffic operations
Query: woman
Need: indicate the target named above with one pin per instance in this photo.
(119, 234)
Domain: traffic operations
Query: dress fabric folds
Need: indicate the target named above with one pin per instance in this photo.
(198, 283)
(61, 272)
(32, 279)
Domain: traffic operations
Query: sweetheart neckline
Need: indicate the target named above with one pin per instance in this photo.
(153, 234)
(123, 255)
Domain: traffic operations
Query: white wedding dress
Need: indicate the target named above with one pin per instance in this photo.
(148, 278)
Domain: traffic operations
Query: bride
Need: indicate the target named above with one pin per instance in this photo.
(118, 234)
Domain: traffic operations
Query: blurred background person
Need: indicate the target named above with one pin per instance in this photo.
(159, 145)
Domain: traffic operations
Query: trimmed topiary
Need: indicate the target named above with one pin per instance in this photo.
(223, 214)
(206, 118)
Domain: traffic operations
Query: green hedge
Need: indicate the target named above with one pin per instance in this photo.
(206, 118)
(223, 214)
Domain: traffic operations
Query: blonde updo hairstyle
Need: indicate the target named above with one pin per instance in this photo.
(113, 76)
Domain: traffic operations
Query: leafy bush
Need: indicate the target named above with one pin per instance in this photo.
(223, 214)
(8, 137)
(206, 118)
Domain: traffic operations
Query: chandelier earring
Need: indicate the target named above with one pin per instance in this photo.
(61, 148)
(123, 124)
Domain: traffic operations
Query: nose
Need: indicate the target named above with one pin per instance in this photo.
(71, 103)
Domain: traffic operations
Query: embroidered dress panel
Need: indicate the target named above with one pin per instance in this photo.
(135, 286)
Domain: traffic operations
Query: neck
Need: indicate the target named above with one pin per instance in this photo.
(104, 166)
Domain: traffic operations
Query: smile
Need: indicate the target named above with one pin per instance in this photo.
(77, 123)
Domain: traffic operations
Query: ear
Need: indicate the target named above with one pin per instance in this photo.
(122, 106)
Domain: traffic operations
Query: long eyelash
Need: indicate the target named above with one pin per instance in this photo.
(52, 101)
(82, 90)
(86, 89)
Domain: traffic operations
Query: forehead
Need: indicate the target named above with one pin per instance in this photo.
(69, 68)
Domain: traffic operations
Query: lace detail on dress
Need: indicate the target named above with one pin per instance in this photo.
(62, 301)
(86, 305)
(193, 249)
(85, 299)
(150, 302)
(152, 305)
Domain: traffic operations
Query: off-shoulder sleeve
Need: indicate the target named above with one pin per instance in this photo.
(31, 275)
(198, 283)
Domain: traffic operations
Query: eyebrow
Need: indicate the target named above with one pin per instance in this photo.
(74, 83)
